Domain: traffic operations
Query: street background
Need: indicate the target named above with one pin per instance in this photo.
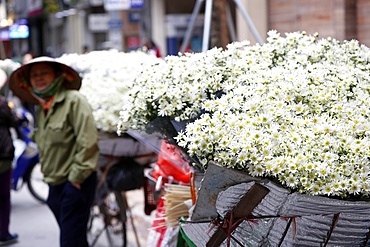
(37, 227)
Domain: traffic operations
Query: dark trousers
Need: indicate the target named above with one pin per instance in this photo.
(71, 208)
(5, 202)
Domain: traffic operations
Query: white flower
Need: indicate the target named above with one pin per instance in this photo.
(106, 78)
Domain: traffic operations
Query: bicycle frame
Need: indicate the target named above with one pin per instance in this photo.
(112, 151)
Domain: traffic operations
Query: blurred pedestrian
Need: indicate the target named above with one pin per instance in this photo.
(152, 48)
(85, 49)
(28, 106)
(67, 140)
(7, 120)
(27, 57)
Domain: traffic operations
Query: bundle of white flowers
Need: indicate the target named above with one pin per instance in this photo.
(9, 65)
(106, 77)
(175, 88)
(296, 110)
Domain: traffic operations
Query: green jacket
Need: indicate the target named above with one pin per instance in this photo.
(67, 139)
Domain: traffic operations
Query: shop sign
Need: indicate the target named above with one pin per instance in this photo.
(133, 42)
(19, 30)
(115, 24)
(111, 5)
(98, 22)
(4, 35)
(137, 4)
(134, 17)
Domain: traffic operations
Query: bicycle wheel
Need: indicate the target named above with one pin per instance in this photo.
(37, 187)
(106, 217)
(115, 220)
(95, 226)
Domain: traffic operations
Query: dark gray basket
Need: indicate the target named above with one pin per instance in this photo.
(282, 218)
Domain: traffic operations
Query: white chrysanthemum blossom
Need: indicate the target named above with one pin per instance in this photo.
(106, 78)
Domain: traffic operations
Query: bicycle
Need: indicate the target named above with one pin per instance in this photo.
(109, 217)
(111, 212)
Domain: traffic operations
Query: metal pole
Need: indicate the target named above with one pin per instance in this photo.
(207, 25)
(230, 23)
(248, 20)
(190, 28)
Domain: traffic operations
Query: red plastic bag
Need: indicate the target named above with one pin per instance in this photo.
(172, 163)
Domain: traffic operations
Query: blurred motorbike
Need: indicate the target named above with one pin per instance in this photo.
(26, 165)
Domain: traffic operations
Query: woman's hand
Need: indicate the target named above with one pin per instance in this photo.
(77, 185)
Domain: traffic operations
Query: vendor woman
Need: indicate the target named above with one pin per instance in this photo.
(67, 140)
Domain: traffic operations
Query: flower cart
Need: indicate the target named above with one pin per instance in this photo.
(292, 114)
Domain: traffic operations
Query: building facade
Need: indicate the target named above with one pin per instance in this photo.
(55, 27)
